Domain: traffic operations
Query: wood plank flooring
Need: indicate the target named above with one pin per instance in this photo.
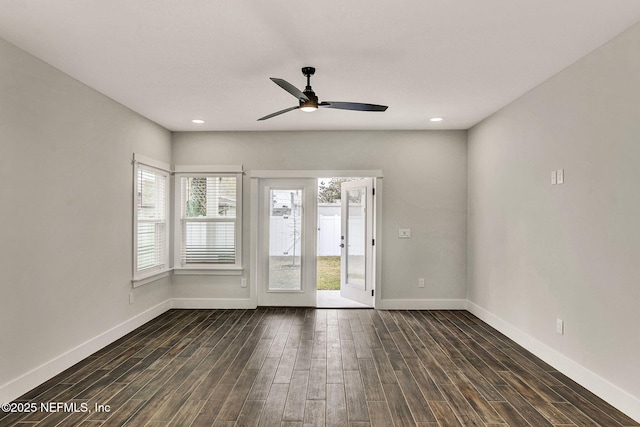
(314, 367)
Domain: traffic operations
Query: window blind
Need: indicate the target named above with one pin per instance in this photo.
(151, 219)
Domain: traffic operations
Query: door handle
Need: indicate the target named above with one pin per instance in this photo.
(342, 245)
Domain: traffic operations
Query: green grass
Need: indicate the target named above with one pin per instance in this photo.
(328, 273)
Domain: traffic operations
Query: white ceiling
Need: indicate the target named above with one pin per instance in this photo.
(173, 61)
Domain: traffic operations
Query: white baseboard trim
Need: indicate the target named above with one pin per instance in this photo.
(210, 303)
(607, 391)
(26, 382)
(421, 304)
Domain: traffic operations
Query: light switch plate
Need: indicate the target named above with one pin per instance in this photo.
(404, 233)
(553, 178)
(560, 176)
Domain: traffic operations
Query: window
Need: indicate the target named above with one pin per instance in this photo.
(151, 230)
(209, 215)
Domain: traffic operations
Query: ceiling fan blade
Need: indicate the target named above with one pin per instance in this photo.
(277, 113)
(290, 88)
(356, 106)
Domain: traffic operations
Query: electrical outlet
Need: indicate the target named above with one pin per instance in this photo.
(421, 282)
(554, 178)
(130, 297)
(243, 282)
(560, 326)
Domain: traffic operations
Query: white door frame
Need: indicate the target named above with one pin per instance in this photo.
(254, 217)
(306, 295)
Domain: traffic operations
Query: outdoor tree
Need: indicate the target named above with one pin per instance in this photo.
(329, 191)
(197, 197)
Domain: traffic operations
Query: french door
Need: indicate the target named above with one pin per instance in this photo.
(287, 237)
(357, 241)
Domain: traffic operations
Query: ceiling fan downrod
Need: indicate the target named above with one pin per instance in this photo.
(312, 104)
(308, 72)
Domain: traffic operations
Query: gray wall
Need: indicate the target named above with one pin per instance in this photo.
(424, 189)
(538, 252)
(66, 194)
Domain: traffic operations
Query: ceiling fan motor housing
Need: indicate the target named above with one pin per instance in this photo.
(312, 102)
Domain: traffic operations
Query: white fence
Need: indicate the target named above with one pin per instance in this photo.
(329, 235)
(285, 234)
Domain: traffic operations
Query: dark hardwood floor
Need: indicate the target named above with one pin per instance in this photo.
(314, 367)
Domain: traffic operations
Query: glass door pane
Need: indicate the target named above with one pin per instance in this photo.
(356, 237)
(285, 239)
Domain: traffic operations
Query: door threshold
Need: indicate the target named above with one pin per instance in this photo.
(332, 299)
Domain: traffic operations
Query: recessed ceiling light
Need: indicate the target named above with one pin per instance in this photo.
(197, 121)
(436, 119)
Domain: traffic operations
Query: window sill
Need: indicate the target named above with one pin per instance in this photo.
(226, 271)
(140, 281)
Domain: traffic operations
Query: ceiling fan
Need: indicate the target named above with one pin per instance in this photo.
(309, 101)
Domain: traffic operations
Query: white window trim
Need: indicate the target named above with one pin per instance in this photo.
(181, 171)
(151, 278)
(226, 270)
(373, 173)
(213, 169)
(150, 275)
(148, 161)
